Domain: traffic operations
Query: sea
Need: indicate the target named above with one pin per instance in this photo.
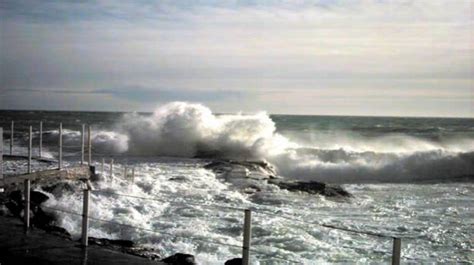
(410, 178)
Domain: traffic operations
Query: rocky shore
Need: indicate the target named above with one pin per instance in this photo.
(246, 175)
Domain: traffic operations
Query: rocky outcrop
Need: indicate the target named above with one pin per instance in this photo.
(242, 169)
(125, 246)
(250, 175)
(313, 187)
(39, 218)
(234, 261)
(180, 259)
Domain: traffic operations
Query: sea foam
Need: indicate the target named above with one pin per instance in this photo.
(189, 130)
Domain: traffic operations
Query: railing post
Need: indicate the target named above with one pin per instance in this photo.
(397, 246)
(124, 171)
(111, 168)
(60, 155)
(133, 174)
(82, 143)
(85, 217)
(89, 144)
(26, 214)
(247, 235)
(30, 148)
(103, 167)
(40, 154)
(1, 154)
(11, 137)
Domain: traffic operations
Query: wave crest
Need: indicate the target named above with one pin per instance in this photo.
(192, 130)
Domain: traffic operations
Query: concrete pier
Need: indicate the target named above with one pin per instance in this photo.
(38, 247)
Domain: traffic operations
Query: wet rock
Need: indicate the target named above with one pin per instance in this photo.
(313, 187)
(242, 169)
(58, 231)
(179, 179)
(125, 246)
(42, 219)
(180, 259)
(58, 189)
(119, 243)
(234, 261)
(14, 203)
(16, 196)
(37, 197)
(251, 174)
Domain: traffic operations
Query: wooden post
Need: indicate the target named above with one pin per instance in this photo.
(11, 137)
(60, 152)
(89, 144)
(1, 155)
(247, 235)
(397, 247)
(103, 168)
(124, 171)
(85, 217)
(82, 142)
(41, 140)
(133, 174)
(27, 203)
(111, 168)
(30, 148)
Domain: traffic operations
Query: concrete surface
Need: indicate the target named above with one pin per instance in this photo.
(38, 247)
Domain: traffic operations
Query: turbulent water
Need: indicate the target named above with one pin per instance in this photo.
(410, 177)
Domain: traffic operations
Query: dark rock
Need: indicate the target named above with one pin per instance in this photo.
(125, 246)
(180, 259)
(14, 208)
(14, 203)
(16, 196)
(148, 253)
(59, 189)
(179, 179)
(58, 231)
(234, 261)
(313, 187)
(37, 197)
(242, 169)
(111, 242)
(42, 219)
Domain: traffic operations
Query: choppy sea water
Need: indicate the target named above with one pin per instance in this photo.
(409, 177)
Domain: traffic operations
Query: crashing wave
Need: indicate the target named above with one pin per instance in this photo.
(192, 130)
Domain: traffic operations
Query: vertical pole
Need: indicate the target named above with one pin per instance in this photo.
(27, 203)
(60, 152)
(82, 142)
(11, 137)
(397, 246)
(1, 154)
(85, 217)
(111, 168)
(103, 168)
(41, 140)
(133, 174)
(89, 144)
(124, 171)
(30, 148)
(247, 235)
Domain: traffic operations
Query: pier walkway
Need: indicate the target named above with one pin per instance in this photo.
(39, 247)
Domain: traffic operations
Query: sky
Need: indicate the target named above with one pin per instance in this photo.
(322, 57)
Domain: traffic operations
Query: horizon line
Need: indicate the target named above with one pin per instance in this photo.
(250, 113)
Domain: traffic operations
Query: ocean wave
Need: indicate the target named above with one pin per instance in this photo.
(192, 130)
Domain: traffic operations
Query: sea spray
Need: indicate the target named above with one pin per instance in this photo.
(188, 130)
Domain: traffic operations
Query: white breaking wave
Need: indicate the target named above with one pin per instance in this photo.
(188, 130)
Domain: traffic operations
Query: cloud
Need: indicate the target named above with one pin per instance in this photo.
(234, 49)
